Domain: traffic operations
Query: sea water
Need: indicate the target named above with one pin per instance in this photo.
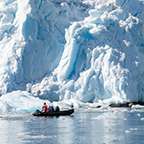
(86, 126)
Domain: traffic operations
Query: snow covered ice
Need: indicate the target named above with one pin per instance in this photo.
(71, 50)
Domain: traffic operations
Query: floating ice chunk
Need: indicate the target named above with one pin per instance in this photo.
(127, 131)
(19, 101)
(142, 119)
(137, 107)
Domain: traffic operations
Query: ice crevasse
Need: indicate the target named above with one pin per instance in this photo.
(72, 50)
(104, 53)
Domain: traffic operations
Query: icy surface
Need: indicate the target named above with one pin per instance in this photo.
(19, 101)
(103, 53)
(71, 50)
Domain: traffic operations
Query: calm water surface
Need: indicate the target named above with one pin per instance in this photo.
(116, 126)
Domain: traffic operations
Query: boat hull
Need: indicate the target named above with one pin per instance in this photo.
(55, 113)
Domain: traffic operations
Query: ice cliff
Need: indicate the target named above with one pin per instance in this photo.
(85, 50)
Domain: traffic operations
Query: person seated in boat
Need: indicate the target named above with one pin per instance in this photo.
(51, 108)
(45, 107)
(57, 109)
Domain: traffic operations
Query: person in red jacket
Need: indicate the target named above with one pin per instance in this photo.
(45, 107)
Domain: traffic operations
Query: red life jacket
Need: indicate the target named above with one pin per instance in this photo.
(45, 108)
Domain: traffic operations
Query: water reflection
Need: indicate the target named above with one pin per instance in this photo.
(115, 126)
(9, 130)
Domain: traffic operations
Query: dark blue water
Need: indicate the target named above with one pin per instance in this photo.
(115, 126)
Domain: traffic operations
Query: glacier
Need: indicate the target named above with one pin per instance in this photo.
(70, 52)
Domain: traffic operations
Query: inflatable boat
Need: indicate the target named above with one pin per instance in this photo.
(54, 113)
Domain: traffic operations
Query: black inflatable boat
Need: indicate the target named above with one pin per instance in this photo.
(54, 113)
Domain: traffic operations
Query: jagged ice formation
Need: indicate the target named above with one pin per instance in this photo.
(72, 49)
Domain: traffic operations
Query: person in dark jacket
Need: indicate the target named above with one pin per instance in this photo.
(51, 108)
(57, 109)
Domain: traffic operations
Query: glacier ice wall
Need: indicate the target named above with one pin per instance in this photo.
(104, 53)
(32, 39)
(88, 50)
